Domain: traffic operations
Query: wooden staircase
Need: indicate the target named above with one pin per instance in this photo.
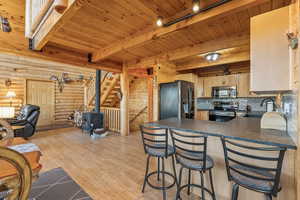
(110, 87)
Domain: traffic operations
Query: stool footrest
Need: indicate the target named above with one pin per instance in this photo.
(161, 172)
(194, 185)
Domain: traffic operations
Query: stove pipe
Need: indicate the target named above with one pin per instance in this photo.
(98, 91)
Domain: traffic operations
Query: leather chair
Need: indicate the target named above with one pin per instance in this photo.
(28, 117)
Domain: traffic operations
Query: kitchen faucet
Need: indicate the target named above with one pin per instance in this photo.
(266, 100)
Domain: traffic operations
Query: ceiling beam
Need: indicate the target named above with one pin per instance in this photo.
(132, 41)
(236, 40)
(54, 54)
(54, 22)
(227, 59)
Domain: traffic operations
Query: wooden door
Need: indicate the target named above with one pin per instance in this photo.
(41, 93)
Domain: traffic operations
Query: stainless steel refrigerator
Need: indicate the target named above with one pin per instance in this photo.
(176, 100)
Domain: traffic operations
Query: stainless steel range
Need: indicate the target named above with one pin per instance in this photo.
(223, 111)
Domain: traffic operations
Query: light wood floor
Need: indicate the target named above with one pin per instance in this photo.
(110, 168)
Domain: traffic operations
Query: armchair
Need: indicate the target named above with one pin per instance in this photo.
(28, 118)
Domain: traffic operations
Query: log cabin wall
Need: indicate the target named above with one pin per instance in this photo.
(17, 85)
(138, 102)
(19, 69)
(295, 62)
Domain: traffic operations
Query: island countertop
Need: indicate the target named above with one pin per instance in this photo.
(246, 129)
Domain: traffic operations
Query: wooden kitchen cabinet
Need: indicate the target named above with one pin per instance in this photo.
(208, 83)
(217, 81)
(241, 81)
(202, 115)
(243, 86)
(270, 52)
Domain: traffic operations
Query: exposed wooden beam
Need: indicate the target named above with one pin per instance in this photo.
(226, 59)
(54, 54)
(54, 22)
(200, 48)
(226, 9)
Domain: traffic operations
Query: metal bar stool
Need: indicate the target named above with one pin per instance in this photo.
(243, 170)
(155, 141)
(191, 154)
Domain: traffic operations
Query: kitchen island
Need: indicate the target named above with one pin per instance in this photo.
(241, 128)
(245, 130)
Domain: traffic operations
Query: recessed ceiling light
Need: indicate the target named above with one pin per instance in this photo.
(196, 6)
(159, 22)
(212, 56)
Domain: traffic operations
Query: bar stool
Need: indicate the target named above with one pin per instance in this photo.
(243, 170)
(155, 142)
(191, 154)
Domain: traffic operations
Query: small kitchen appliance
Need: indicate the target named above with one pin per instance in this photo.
(224, 92)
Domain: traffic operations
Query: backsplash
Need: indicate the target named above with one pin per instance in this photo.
(290, 108)
(253, 103)
(289, 103)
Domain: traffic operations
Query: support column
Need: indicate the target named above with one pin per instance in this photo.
(124, 110)
(150, 98)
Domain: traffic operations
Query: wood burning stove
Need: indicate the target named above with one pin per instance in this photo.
(94, 120)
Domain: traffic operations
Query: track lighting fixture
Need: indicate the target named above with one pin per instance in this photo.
(196, 6)
(159, 21)
(196, 10)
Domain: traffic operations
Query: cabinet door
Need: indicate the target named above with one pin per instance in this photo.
(230, 80)
(202, 115)
(199, 87)
(208, 83)
(243, 85)
(269, 51)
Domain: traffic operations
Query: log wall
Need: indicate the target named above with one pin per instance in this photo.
(19, 69)
(138, 100)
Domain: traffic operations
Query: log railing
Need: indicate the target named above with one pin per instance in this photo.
(37, 12)
(111, 118)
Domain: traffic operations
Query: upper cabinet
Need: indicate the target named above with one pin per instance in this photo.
(241, 81)
(270, 63)
(208, 83)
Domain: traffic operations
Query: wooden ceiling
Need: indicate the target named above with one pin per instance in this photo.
(124, 31)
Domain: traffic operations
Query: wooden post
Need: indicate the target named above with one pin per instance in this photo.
(150, 98)
(124, 110)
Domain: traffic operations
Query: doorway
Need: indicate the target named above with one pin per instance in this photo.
(41, 93)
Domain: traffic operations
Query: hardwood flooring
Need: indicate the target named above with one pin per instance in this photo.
(110, 168)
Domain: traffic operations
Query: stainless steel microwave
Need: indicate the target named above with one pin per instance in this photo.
(224, 92)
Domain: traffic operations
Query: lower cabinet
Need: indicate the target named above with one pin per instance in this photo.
(202, 115)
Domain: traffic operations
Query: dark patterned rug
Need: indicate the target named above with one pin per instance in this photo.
(56, 184)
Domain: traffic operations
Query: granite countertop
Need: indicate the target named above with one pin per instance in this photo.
(241, 128)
